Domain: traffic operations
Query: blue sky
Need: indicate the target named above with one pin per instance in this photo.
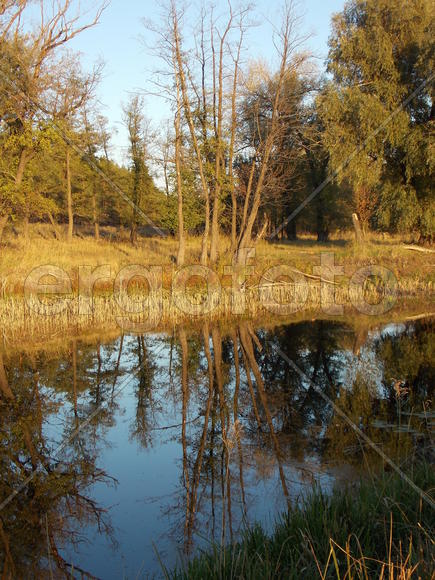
(128, 64)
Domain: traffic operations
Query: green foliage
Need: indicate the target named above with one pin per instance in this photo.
(319, 531)
(381, 51)
(398, 209)
(193, 211)
(427, 221)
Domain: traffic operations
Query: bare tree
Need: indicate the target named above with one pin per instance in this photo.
(208, 123)
(182, 82)
(178, 146)
(10, 16)
(289, 42)
(218, 124)
(209, 80)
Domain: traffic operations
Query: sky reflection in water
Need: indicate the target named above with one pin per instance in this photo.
(199, 432)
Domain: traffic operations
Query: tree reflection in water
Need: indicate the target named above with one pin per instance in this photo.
(244, 416)
(49, 510)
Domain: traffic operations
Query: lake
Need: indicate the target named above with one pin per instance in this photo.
(133, 451)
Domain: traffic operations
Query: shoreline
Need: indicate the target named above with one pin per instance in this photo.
(18, 326)
(115, 284)
(371, 529)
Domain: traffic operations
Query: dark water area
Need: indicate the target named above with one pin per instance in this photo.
(127, 451)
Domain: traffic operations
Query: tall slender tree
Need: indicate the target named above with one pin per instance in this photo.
(141, 180)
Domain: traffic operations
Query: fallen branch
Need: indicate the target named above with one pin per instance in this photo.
(419, 249)
(310, 276)
(421, 316)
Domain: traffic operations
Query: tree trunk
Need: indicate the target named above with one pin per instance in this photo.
(246, 234)
(178, 143)
(250, 215)
(24, 158)
(54, 226)
(69, 196)
(215, 229)
(233, 220)
(231, 151)
(165, 173)
(95, 215)
(264, 227)
(133, 227)
(185, 401)
(214, 246)
(3, 221)
(181, 238)
(322, 227)
(181, 246)
(246, 342)
(204, 246)
(291, 230)
(357, 227)
(133, 232)
(184, 102)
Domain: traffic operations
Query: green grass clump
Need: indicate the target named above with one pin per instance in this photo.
(379, 528)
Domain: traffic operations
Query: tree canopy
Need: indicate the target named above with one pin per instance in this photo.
(247, 144)
(378, 111)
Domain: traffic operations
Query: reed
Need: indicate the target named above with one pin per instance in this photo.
(141, 311)
(259, 298)
(378, 530)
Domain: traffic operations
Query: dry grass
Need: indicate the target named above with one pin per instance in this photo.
(414, 273)
(18, 257)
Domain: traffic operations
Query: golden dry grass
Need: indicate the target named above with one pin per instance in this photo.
(18, 257)
(414, 272)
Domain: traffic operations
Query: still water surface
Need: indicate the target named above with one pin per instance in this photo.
(164, 442)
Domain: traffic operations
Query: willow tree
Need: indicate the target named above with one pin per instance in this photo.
(379, 111)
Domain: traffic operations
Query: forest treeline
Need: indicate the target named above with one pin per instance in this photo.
(249, 145)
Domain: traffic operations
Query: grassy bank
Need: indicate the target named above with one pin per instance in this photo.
(377, 529)
(413, 271)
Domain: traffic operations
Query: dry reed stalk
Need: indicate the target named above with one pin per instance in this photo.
(33, 317)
